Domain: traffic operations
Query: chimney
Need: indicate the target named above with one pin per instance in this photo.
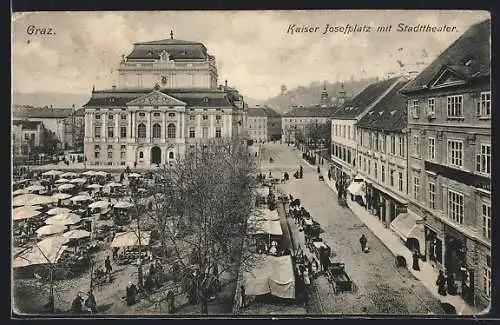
(412, 75)
(114, 87)
(123, 57)
(225, 83)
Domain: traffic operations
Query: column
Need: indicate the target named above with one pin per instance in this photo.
(148, 126)
(129, 117)
(178, 131)
(132, 131)
(165, 126)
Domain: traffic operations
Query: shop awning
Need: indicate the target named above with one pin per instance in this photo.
(355, 188)
(408, 225)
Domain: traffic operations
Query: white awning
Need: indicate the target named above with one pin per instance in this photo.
(355, 188)
(408, 225)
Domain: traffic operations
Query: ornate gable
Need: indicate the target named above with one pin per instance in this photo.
(447, 77)
(156, 98)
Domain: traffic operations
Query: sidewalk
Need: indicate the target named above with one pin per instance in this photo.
(427, 274)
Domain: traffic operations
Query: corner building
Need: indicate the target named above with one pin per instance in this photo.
(449, 165)
(167, 104)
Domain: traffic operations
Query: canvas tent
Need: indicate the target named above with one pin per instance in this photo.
(271, 275)
(130, 238)
(46, 251)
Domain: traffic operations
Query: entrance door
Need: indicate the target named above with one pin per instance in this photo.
(155, 155)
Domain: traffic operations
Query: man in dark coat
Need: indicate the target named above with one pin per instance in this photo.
(243, 296)
(441, 283)
(76, 305)
(415, 265)
(91, 303)
(363, 241)
(171, 302)
(107, 265)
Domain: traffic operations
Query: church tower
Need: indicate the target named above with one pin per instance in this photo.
(325, 99)
(341, 96)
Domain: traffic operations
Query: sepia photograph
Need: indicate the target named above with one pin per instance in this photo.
(251, 163)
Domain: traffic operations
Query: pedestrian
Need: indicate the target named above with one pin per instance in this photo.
(131, 291)
(450, 284)
(90, 303)
(243, 296)
(76, 305)
(107, 265)
(441, 283)
(115, 253)
(363, 241)
(171, 301)
(415, 265)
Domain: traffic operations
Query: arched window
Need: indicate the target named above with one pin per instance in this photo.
(141, 131)
(141, 154)
(156, 131)
(171, 131)
(170, 155)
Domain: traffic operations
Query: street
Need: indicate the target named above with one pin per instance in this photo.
(379, 287)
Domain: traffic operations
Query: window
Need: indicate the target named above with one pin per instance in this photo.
(204, 132)
(413, 107)
(456, 206)
(454, 106)
(376, 137)
(483, 160)
(416, 145)
(171, 114)
(344, 154)
(97, 147)
(218, 132)
(110, 147)
(382, 143)
(393, 145)
(110, 116)
(343, 131)
(156, 131)
(122, 147)
(364, 164)
(375, 170)
(96, 154)
(487, 281)
(97, 132)
(122, 155)
(171, 131)
(431, 149)
(192, 133)
(26, 136)
(383, 174)
(141, 155)
(191, 117)
(391, 178)
(218, 118)
(484, 106)
(360, 138)
(455, 153)
(110, 154)
(431, 107)
(205, 117)
(142, 114)
(416, 187)
(400, 181)
(348, 132)
(123, 132)
(369, 166)
(486, 220)
(401, 146)
(170, 155)
(123, 116)
(98, 116)
(141, 131)
(432, 196)
(348, 156)
(111, 131)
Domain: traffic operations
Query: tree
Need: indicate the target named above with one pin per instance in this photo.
(200, 212)
(318, 132)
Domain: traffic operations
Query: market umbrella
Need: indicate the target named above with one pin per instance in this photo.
(52, 173)
(63, 219)
(89, 173)
(80, 198)
(24, 213)
(41, 200)
(23, 199)
(94, 186)
(55, 211)
(130, 238)
(80, 180)
(123, 205)
(50, 230)
(114, 184)
(62, 180)
(69, 175)
(34, 188)
(76, 234)
(19, 191)
(61, 196)
(101, 173)
(99, 204)
(65, 187)
(134, 175)
(48, 250)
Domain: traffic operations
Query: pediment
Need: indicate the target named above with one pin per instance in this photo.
(447, 77)
(156, 98)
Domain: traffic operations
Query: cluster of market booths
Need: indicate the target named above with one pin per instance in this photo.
(60, 219)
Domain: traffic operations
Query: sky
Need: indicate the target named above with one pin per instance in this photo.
(253, 49)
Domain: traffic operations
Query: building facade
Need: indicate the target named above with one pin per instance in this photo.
(149, 122)
(27, 137)
(296, 122)
(344, 136)
(449, 165)
(263, 124)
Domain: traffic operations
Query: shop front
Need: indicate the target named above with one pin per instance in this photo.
(455, 252)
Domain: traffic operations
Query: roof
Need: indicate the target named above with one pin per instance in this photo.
(193, 98)
(389, 113)
(41, 112)
(473, 45)
(178, 49)
(311, 112)
(365, 98)
(27, 125)
(262, 111)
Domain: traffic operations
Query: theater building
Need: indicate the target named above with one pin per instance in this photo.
(167, 103)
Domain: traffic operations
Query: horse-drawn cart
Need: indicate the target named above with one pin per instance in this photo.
(339, 278)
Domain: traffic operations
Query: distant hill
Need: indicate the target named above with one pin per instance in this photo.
(59, 100)
(310, 95)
